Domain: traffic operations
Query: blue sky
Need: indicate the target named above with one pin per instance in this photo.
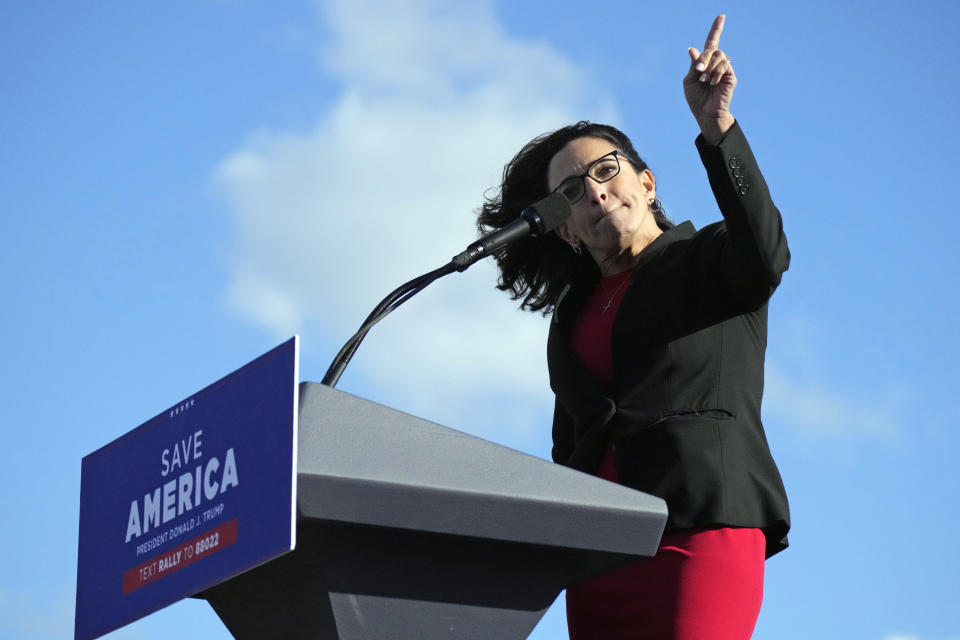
(179, 192)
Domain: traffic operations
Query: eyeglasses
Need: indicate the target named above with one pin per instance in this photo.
(601, 170)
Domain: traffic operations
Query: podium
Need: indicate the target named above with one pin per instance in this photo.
(408, 529)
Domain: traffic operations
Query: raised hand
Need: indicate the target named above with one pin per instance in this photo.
(709, 84)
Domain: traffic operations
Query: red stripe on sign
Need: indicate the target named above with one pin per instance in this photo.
(165, 563)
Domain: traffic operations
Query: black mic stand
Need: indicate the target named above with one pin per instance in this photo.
(396, 298)
(539, 218)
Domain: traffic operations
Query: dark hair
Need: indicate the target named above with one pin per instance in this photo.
(538, 269)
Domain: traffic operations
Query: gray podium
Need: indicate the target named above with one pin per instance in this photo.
(408, 529)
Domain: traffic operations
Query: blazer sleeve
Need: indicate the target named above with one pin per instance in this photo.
(563, 437)
(751, 248)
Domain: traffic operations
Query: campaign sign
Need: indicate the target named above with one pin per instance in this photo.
(202, 492)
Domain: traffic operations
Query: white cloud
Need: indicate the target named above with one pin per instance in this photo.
(435, 99)
(816, 411)
(821, 398)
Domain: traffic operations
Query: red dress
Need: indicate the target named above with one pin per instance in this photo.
(701, 584)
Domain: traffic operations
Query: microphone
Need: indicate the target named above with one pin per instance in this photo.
(539, 218)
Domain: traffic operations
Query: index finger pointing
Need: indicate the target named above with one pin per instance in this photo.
(713, 38)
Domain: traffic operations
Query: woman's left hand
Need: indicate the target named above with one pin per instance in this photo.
(709, 84)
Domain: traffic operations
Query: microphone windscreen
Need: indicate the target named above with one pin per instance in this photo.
(552, 211)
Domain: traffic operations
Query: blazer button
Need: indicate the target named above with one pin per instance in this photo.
(737, 173)
(744, 189)
(740, 182)
(734, 162)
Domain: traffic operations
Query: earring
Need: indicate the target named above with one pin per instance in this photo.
(576, 247)
(655, 206)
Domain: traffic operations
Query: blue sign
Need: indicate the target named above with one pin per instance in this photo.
(202, 492)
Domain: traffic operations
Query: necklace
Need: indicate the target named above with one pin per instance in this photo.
(613, 295)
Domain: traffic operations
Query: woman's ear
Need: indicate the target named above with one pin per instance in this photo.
(565, 235)
(648, 182)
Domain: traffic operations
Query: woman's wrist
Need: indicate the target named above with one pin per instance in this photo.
(713, 129)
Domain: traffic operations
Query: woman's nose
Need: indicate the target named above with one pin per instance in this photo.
(596, 192)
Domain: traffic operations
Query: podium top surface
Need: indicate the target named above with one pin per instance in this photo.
(362, 462)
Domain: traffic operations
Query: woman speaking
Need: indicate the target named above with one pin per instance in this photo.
(655, 353)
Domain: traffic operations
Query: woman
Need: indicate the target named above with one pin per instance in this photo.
(656, 354)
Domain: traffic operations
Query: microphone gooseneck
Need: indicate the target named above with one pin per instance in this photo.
(541, 217)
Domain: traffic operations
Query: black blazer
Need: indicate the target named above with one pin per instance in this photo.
(688, 343)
